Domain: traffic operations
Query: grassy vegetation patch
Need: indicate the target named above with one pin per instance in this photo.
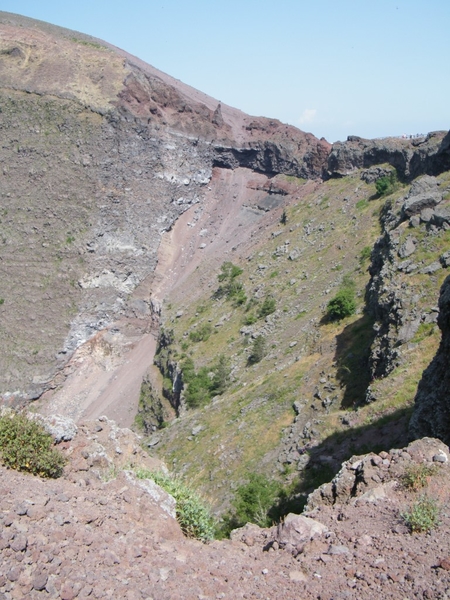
(418, 475)
(423, 515)
(25, 445)
(193, 513)
(208, 381)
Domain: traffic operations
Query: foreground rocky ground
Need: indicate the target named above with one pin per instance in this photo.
(97, 532)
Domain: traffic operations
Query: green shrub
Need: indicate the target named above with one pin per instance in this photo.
(342, 305)
(221, 376)
(201, 334)
(423, 515)
(258, 350)
(228, 272)
(193, 514)
(239, 296)
(387, 185)
(267, 307)
(25, 445)
(253, 501)
(230, 288)
(365, 254)
(208, 381)
(250, 319)
(416, 476)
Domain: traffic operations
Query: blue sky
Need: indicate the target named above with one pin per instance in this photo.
(331, 67)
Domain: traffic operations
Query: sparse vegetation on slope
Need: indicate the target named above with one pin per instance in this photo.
(318, 364)
(423, 515)
(193, 514)
(344, 303)
(25, 445)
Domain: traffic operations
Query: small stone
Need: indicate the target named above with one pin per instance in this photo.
(13, 574)
(40, 581)
(297, 576)
(21, 509)
(444, 563)
(19, 543)
(336, 549)
(441, 457)
(68, 591)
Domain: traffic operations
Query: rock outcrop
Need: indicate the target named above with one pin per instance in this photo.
(397, 306)
(427, 154)
(431, 416)
(369, 478)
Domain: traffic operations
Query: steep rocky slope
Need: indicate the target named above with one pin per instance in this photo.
(123, 193)
(322, 389)
(100, 155)
(86, 536)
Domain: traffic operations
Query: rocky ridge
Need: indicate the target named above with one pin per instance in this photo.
(415, 222)
(98, 532)
(411, 156)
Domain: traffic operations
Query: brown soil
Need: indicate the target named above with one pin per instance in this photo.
(85, 537)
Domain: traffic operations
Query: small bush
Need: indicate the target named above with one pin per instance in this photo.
(250, 319)
(25, 445)
(201, 334)
(258, 350)
(230, 288)
(342, 305)
(423, 515)
(365, 254)
(254, 500)
(193, 514)
(228, 271)
(416, 477)
(267, 307)
(208, 381)
(387, 185)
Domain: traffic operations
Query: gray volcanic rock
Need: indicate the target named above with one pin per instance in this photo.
(368, 478)
(411, 157)
(431, 416)
(395, 312)
(101, 154)
(424, 194)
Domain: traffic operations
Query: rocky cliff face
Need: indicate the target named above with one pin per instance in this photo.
(100, 155)
(431, 415)
(411, 157)
(411, 250)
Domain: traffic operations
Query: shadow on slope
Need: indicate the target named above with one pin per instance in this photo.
(325, 460)
(351, 359)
